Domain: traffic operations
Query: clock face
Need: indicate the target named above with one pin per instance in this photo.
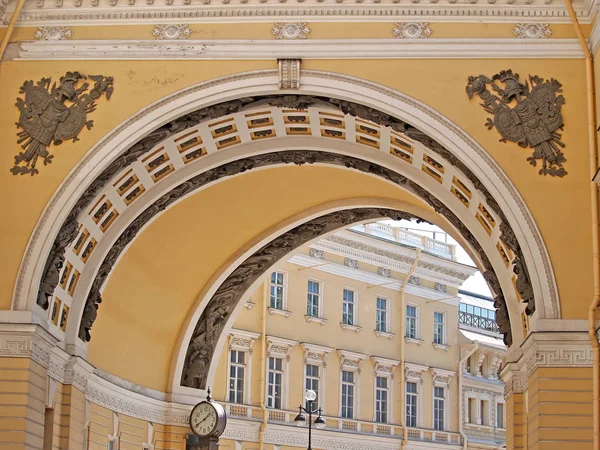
(204, 419)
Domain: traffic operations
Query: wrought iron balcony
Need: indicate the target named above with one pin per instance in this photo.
(476, 321)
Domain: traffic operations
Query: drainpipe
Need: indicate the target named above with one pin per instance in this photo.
(11, 27)
(460, 400)
(402, 334)
(593, 150)
(263, 372)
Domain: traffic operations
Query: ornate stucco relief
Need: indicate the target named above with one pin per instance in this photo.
(533, 121)
(45, 119)
(532, 31)
(412, 30)
(53, 33)
(295, 30)
(171, 32)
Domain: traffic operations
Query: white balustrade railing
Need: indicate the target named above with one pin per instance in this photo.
(275, 416)
(406, 237)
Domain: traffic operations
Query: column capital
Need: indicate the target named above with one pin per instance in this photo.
(547, 349)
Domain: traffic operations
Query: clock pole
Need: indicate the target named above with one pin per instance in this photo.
(207, 422)
(197, 443)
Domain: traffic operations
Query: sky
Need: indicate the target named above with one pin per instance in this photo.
(475, 283)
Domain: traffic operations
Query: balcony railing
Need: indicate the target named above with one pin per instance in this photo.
(278, 416)
(405, 237)
(475, 321)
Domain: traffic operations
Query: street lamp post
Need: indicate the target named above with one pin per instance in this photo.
(300, 419)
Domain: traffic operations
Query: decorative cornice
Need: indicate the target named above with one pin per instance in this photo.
(242, 340)
(383, 367)
(441, 377)
(26, 341)
(443, 48)
(279, 347)
(350, 360)
(414, 372)
(550, 350)
(40, 12)
(315, 354)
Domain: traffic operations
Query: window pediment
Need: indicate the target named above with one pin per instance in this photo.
(242, 340)
(350, 361)
(441, 377)
(414, 372)
(279, 347)
(384, 367)
(315, 354)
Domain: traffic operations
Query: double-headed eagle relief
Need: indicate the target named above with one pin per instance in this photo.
(45, 119)
(534, 119)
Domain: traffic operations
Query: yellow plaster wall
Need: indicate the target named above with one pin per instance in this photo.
(559, 409)
(319, 30)
(440, 84)
(22, 403)
(136, 85)
(331, 335)
(155, 283)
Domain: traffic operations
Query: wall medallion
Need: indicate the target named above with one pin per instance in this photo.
(45, 119)
(528, 114)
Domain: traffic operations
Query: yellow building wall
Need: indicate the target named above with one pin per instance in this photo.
(333, 336)
(22, 403)
(559, 409)
(318, 30)
(438, 83)
(177, 250)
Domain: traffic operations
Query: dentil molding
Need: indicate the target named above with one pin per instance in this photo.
(81, 12)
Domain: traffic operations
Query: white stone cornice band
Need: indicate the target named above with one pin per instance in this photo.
(107, 12)
(294, 49)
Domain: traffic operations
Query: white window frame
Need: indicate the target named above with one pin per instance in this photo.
(355, 377)
(245, 383)
(354, 322)
(319, 379)
(417, 338)
(276, 372)
(241, 340)
(503, 415)
(387, 313)
(444, 329)
(414, 373)
(350, 362)
(316, 355)
(384, 368)
(418, 395)
(445, 412)
(319, 318)
(280, 348)
(441, 378)
(283, 289)
(388, 400)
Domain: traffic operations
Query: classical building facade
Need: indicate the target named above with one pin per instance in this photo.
(332, 317)
(162, 158)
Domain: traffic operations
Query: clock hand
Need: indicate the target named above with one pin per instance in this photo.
(200, 421)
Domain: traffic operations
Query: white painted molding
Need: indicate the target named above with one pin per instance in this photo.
(109, 12)
(293, 49)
